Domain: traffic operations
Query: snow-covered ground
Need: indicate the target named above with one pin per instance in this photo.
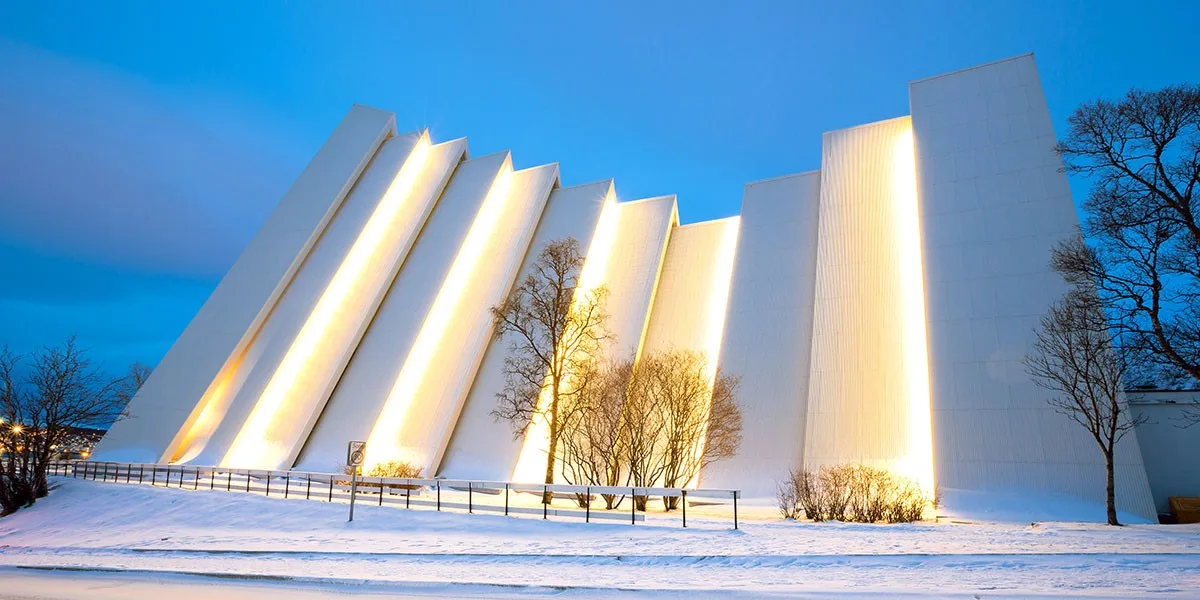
(420, 553)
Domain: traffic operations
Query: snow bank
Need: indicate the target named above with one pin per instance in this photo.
(91, 524)
(1024, 507)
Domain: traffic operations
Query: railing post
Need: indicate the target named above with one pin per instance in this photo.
(128, 472)
(353, 490)
(735, 523)
(307, 487)
(407, 494)
(212, 478)
(439, 495)
(633, 506)
(154, 474)
(587, 505)
(141, 472)
(331, 488)
(470, 499)
(545, 505)
(506, 499)
(196, 481)
(268, 484)
(381, 491)
(247, 481)
(287, 483)
(228, 481)
(74, 470)
(683, 501)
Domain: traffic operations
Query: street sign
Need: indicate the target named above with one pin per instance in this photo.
(354, 454)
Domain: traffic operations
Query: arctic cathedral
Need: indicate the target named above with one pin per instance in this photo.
(877, 310)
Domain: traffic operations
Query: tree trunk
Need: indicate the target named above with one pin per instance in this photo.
(553, 448)
(1109, 489)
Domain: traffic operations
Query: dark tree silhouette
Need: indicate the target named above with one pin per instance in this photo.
(1142, 225)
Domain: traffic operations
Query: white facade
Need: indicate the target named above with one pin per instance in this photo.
(875, 310)
(993, 203)
(1168, 440)
(768, 329)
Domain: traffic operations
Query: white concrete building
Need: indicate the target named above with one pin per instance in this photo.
(876, 310)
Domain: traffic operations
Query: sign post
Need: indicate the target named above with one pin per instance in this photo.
(354, 460)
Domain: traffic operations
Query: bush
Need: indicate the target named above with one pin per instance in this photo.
(854, 493)
(392, 468)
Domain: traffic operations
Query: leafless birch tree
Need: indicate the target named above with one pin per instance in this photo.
(1074, 357)
(555, 329)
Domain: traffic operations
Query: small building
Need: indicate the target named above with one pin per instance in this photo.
(1168, 443)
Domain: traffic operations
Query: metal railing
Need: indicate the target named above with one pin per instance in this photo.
(439, 494)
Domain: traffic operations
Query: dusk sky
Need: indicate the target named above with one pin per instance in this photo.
(141, 145)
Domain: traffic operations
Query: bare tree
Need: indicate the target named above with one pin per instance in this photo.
(681, 418)
(1074, 357)
(62, 394)
(702, 421)
(642, 429)
(127, 387)
(555, 329)
(592, 452)
(1142, 220)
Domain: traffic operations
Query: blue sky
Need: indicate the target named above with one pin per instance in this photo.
(141, 144)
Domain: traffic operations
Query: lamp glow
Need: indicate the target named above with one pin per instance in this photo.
(383, 444)
(918, 464)
(256, 443)
(213, 406)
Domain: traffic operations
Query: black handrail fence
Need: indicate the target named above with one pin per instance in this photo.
(400, 491)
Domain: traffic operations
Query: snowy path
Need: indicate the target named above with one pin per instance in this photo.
(117, 526)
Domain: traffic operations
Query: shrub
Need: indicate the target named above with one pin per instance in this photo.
(788, 495)
(395, 468)
(854, 493)
(392, 468)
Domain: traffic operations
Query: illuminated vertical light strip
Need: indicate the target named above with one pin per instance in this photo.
(531, 464)
(253, 444)
(918, 463)
(214, 405)
(384, 445)
(718, 299)
(717, 305)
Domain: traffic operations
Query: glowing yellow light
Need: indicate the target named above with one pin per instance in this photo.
(17, 429)
(383, 444)
(718, 301)
(255, 444)
(531, 464)
(85, 454)
(212, 407)
(718, 304)
(918, 464)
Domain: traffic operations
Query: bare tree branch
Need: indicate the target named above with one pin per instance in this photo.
(1142, 225)
(555, 330)
(1074, 357)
